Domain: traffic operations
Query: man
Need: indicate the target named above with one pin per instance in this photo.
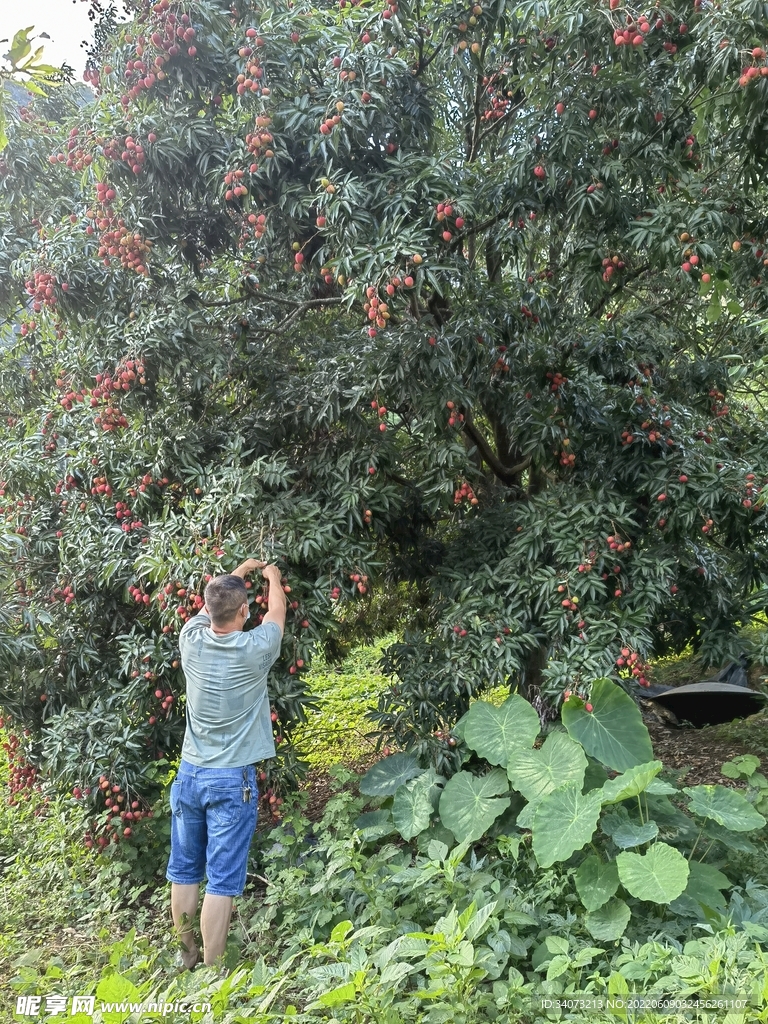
(214, 795)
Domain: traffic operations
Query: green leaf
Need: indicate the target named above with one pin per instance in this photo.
(630, 783)
(20, 46)
(725, 806)
(343, 994)
(534, 773)
(387, 775)
(412, 806)
(705, 883)
(744, 764)
(658, 787)
(595, 775)
(557, 944)
(731, 840)
(565, 820)
(116, 988)
(613, 732)
(596, 881)
(375, 824)
(526, 816)
(497, 733)
(469, 805)
(632, 833)
(659, 875)
(341, 931)
(618, 986)
(558, 965)
(609, 922)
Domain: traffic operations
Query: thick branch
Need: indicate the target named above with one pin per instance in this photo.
(507, 474)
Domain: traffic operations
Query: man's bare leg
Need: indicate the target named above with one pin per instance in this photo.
(184, 900)
(214, 924)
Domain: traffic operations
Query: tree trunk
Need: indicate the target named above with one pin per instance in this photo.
(531, 675)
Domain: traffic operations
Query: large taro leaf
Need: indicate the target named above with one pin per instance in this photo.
(565, 820)
(596, 881)
(630, 783)
(413, 804)
(469, 805)
(659, 875)
(375, 824)
(526, 816)
(731, 840)
(609, 922)
(625, 831)
(387, 775)
(658, 787)
(534, 773)
(725, 806)
(705, 884)
(632, 833)
(613, 732)
(496, 733)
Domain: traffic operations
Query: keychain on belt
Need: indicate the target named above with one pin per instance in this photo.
(246, 787)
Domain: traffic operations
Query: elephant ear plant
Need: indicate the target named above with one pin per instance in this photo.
(589, 794)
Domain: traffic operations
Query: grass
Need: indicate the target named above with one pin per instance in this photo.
(677, 669)
(336, 734)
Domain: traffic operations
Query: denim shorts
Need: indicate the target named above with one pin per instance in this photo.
(211, 827)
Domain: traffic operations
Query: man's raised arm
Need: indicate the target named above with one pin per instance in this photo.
(276, 601)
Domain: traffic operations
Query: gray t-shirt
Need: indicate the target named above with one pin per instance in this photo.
(228, 718)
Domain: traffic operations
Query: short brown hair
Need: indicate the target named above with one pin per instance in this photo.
(223, 597)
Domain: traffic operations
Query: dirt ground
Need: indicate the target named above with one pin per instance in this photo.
(700, 752)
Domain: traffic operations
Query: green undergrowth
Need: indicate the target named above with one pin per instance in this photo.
(338, 928)
(750, 733)
(337, 733)
(349, 931)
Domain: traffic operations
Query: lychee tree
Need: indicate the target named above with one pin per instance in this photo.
(444, 305)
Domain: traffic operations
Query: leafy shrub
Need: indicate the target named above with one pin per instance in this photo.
(593, 781)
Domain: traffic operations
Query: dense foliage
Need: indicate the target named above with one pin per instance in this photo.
(414, 298)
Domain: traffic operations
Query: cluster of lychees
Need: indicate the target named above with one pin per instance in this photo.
(332, 120)
(632, 662)
(116, 239)
(260, 141)
(65, 593)
(23, 776)
(557, 380)
(443, 213)
(119, 812)
(464, 493)
(41, 286)
(754, 71)
(78, 153)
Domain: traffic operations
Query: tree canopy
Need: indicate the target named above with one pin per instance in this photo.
(450, 310)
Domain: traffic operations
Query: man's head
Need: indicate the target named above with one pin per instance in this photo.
(224, 599)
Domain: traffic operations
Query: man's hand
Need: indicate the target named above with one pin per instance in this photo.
(249, 565)
(270, 572)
